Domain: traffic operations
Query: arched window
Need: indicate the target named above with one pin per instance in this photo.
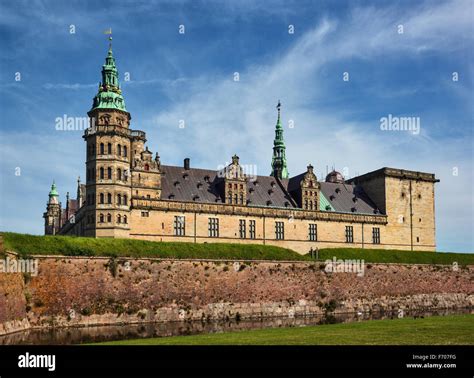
(109, 218)
(119, 174)
(125, 219)
(241, 199)
(101, 198)
(311, 205)
(102, 148)
(147, 167)
(230, 198)
(109, 198)
(119, 199)
(236, 198)
(305, 204)
(125, 151)
(101, 218)
(109, 148)
(125, 199)
(101, 173)
(109, 173)
(119, 219)
(119, 150)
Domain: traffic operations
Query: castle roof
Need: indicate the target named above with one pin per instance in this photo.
(206, 186)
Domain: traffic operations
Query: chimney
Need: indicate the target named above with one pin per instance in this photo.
(186, 164)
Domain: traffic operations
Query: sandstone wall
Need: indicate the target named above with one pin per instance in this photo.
(85, 291)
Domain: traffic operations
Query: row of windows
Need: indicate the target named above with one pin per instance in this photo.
(121, 150)
(107, 218)
(350, 235)
(236, 199)
(122, 199)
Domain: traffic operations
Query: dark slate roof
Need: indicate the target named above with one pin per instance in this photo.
(190, 185)
(341, 196)
(294, 183)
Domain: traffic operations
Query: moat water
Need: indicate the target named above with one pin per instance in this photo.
(92, 334)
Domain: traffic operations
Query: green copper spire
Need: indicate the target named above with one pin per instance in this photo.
(279, 166)
(109, 95)
(53, 191)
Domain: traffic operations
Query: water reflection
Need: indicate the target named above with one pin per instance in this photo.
(79, 335)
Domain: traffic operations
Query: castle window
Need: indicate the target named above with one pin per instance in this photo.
(213, 227)
(101, 218)
(242, 228)
(119, 199)
(119, 150)
(241, 199)
(313, 232)
(252, 229)
(109, 173)
(109, 148)
(311, 205)
(125, 219)
(125, 151)
(147, 167)
(109, 198)
(349, 234)
(279, 230)
(419, 196)
(102, 148)
(376, 235)
(145, 214)
(101, 198)
(119, 218)
(305, 204)
(417, 239)
(236, 198)
(109, 218)
(125, 199)
(230, 197)
(242, 186)
(119, 174)
(101, 174)
(179, 225)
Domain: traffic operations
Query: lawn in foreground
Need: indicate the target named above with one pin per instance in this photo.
(435, 330)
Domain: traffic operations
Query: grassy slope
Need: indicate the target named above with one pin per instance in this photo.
(77, 246)
(394, 256)
(441, 330)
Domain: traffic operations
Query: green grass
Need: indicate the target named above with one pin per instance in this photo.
(79, 246)
(394, 256)
(435, 330)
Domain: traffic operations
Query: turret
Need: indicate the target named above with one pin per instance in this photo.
(52, 216)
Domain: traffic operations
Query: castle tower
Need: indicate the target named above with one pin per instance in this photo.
(109, 150)
(52, 216)
(279, 166)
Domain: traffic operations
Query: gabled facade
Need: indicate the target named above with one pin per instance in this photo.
(130, 194)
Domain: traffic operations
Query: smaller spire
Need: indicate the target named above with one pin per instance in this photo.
(53, 192)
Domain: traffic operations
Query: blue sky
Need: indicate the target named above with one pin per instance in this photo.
(190, 77)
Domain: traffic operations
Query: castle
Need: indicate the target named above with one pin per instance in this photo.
(129, 194)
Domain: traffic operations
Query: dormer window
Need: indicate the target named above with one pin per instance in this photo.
(195, 198)
(176, 184)
(185, 176)
(353, 209)
(206, 178)
(272, 184)
(199, 185)
(269, 203)
(251, 190)
(171, 196)
(338, 190)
